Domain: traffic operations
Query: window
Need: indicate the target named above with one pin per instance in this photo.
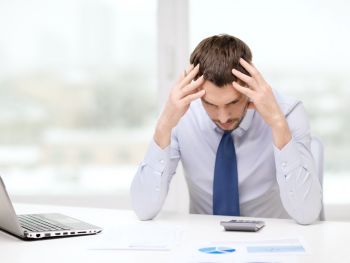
(77, 93)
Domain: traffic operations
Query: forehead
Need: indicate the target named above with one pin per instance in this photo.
(219, 95)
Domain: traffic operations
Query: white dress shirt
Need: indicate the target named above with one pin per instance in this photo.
(272, 182)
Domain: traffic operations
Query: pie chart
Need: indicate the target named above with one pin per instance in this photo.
(217, 250)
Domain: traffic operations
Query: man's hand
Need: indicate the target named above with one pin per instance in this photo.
(264, 101)
(182, 94)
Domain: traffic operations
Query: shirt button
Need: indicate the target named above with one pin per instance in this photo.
(284, 166)
(161, 161)
(157, 189)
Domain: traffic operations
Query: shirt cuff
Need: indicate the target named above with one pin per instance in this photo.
(156, 157)
(288, 158)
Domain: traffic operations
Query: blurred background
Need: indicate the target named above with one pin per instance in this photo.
(83, 81)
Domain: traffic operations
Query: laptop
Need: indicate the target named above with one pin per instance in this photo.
(39, 226)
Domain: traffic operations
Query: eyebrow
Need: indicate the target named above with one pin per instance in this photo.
(231, 102)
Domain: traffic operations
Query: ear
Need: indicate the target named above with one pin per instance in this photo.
(251, 105)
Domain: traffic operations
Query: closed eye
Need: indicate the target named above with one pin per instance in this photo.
(208, 103)
(234, 101)
(230, 103)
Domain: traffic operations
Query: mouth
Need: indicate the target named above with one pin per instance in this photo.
(227, 125)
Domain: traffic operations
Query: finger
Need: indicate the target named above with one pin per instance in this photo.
(244, 90)
(245, 78)
(192, 86)
(189, 68)
(190, 76)
(251, 69)
(184, 73)
(189, 98)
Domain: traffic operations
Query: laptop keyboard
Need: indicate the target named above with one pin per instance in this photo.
(36, 223)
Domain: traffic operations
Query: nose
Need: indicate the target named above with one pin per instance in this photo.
(223, 115)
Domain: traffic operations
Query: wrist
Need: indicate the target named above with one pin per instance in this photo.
(281, 133)
(164, 125)
(279, 123)
(162, 134)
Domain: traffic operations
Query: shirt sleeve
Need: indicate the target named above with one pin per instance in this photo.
(150, 185)
(300, 188)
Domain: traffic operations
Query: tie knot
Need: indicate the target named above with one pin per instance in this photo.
(227, 136)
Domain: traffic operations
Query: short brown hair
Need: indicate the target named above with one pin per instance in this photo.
(218, 55)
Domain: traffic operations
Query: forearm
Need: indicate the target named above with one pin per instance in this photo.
(300, 189)
(151, 182)
(150, 185)
(145, 193)
(281, 133)
(162, 134)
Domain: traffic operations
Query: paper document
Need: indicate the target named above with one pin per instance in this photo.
(143, 236)
(278, 246)
(274, 250)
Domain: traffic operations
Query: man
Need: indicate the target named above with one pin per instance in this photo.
(245, 149)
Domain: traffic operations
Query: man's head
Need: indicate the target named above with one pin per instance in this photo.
(217, 56)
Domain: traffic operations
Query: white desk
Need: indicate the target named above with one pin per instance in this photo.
(326, 241)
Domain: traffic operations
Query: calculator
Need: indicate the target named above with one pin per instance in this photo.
(242, 225)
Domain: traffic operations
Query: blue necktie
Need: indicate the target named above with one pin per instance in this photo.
(225, 187)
